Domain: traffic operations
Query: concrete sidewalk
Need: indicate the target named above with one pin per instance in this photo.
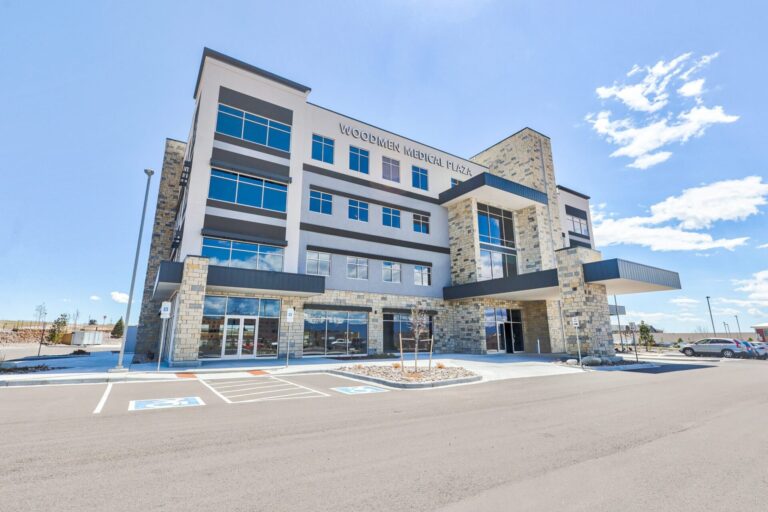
(94, 368)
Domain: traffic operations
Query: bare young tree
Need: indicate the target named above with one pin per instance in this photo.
(420, 323)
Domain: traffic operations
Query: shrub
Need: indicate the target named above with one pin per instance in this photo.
(396, 366)
(440, 365)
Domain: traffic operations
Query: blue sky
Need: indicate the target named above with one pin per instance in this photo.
(91, 90)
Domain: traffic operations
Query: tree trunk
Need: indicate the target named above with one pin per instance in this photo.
(402, 357)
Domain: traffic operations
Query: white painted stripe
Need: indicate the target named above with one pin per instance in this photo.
(103, 400)
(284, 388)
(249, 382)
(237, 390)
(214, 391)
(299, 385)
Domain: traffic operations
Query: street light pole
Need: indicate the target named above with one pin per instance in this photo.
(738, 325)
(725, 327)
(119, 367)
(711, 318)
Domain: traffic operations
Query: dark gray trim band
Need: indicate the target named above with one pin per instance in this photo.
(368, 183)
(207, 52)
(579, 243)
(245, 209)
(250, 145)
(337, 307)
(497, 182)
(429, 312)
(368, 200)
(579, 235)
(232, 277)
(518, 283)
(255, 105)
(576, 212)
(243, 238)
(372, 238)
(250, 165)
(571, 191)
(224, 166)
(344, 252)
(243, 228)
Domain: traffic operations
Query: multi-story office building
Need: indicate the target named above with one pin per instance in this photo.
(277, 209)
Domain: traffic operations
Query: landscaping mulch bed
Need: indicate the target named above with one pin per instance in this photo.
(393, 374)
(365, 358)
(28, 369)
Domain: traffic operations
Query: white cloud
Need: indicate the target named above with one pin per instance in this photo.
(642, 137)
(95, 298)
(764, 246)
(119, 297)
(756, 288)
(672, 223)
(654, 317)
(694, 88)
(684, 302)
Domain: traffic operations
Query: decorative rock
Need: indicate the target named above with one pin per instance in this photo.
(591, 361)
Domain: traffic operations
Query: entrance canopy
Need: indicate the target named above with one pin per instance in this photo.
(542, 285)
(621, 277)
(487, 187)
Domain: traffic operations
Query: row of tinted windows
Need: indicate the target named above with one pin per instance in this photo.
(359, 161)
(259, 130)
(248, 191)
(322, 202)
(319, 263)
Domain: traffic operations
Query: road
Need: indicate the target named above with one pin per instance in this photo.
(692, 440)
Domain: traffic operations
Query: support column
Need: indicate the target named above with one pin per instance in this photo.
(189, 312)
(587, 302)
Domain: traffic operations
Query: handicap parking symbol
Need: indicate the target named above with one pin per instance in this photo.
(359, 390)
(165, 403)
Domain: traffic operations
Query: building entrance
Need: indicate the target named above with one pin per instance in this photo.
(504, 330)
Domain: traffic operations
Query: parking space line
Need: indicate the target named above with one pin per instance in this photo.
(214, 391)
(262, 392)
(255, 383)
(103, 400)
(299, 385)
(291, 396)
(237, 382)
(249, 388)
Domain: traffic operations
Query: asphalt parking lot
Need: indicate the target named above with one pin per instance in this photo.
(588, 441)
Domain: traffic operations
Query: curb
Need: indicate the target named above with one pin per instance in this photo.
(407, 385)
(625, 367)
(83, 380)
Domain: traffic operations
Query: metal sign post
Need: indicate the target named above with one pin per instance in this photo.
(633, 328)
(289, 315)
(575, 324)
(165, 314)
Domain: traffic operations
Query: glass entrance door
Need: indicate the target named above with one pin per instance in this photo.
(239, 336)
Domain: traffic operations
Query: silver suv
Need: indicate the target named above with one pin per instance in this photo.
(725, 347)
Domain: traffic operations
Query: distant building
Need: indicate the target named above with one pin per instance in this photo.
(276, 204)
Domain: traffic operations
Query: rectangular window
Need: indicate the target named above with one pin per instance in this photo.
(397, 325)
(358, 159)
(259, 130)
(454, 182)
(419, 178)
(318, 263)
(320, 202)
(248, 191)
(494, 265)
(422, 275)
(390, 217)
(390, 272)
(390, 169)
(322, 149)
(358, 210)
(421, 223)
(230, 253)
(242, 337)
(357, 268)
(495, 226)
(578, 225)
(335, 332)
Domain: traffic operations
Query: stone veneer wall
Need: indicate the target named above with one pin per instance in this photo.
(148, 335)
(188, 316)
(464, 241)
(587, 302)
(526, 158)
(535, 326)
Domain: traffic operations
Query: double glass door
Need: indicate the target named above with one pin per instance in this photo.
(240, 336)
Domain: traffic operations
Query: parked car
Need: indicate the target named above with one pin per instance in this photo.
(761, 349)
(725, 347)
